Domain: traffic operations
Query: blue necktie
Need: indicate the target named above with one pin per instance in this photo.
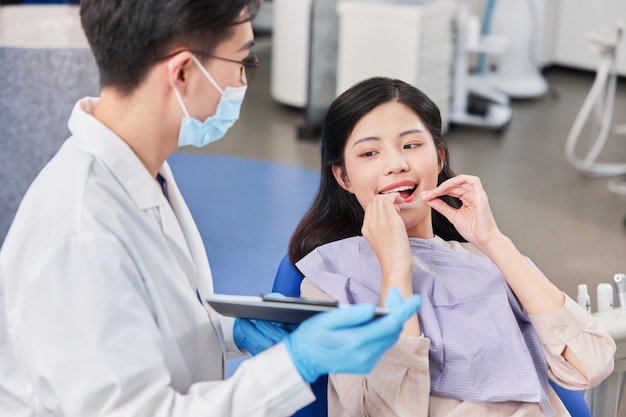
(163, 183)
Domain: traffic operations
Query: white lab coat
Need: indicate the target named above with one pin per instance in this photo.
(98, 279)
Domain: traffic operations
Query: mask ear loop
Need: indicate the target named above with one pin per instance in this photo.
(206, 73)
(178, 96)
(180, 100)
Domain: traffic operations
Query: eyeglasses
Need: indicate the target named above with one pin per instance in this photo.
(249, 65)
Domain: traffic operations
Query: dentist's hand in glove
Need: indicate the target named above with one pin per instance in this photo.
(347, 340)
(257, 335)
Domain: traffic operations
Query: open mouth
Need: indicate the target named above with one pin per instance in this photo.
(405, 191)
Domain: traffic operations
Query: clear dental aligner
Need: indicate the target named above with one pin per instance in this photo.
(411, 204)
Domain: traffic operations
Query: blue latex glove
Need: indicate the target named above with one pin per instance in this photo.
(347, 340)
(257, 335)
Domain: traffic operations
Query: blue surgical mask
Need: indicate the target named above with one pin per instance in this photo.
(197, 133)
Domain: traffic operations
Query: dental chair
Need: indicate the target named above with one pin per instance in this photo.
(287, 282)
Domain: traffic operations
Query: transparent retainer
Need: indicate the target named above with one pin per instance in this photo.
(403, 206)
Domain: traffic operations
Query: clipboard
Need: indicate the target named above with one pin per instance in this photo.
(289, 310)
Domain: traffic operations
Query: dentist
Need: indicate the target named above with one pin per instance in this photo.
(103, 272)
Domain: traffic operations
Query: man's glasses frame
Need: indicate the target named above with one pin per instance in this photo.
(249, 64)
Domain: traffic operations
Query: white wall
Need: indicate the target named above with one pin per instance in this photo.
(566, 23)
(574, 20)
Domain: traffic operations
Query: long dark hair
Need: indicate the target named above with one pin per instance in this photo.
(335, 213)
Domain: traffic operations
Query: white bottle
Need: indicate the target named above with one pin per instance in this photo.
(605, 297)
(583, 298)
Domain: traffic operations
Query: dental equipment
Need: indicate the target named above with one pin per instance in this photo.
(471, 100)
(619, 280)
(601, 99)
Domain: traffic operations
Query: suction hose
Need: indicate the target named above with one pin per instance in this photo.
(602, 97)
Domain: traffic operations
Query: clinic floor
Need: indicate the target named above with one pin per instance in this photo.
(571, 226)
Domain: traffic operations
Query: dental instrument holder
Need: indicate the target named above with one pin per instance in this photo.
(604, 399)
(322, 74)
(619, 280)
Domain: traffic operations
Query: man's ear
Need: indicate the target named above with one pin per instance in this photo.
(177, 70)
(338, 173)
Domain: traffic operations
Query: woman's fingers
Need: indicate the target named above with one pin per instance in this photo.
(464, 187)
(443, 208)
(381, 213)
(473, 220)
(467, 182)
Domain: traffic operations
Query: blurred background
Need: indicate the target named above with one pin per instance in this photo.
(510, 77)
(531, 94)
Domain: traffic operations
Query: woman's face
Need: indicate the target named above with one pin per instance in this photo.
(391, 149)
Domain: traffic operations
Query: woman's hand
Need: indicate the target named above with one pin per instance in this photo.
(474, 219)
(475, 222)
(384, 230)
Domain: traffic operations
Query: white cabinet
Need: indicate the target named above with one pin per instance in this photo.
(290, 51)
(409, 41)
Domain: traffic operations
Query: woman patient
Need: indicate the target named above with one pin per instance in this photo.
(390, 212)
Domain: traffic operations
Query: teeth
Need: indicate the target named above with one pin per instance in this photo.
(398, 189)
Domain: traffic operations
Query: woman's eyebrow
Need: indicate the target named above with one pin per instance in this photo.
(365, 139)
(406, 132)
(411, 131)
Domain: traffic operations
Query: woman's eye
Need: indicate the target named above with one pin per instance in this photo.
(412, 145)
(368, 154)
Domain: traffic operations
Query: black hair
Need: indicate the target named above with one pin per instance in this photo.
(335, 213)
(128, 37)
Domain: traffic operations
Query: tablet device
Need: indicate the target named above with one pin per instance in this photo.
(290, 310)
